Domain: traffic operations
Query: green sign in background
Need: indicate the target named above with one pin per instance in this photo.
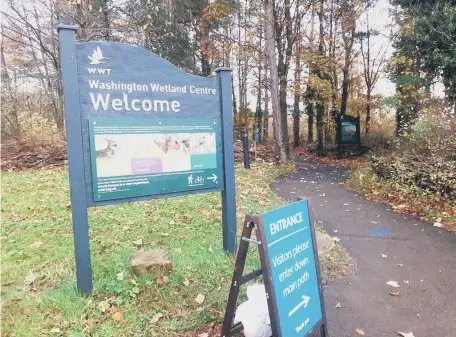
(348, 128)
(133, 157)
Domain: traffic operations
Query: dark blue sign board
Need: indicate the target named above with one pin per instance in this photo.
(290, 269)
(348, 130)
(139, 128)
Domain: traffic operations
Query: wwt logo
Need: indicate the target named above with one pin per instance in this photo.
(97, 58)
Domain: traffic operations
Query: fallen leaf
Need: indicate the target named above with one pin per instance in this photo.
(438, 225)
(338, 305)
(178, 250)
(55, 330)
(162, 280)
(384, 255)
(138, 243)
(164, 234)
(172, 222)
(394, 294)
(30, 278)
(117, 316)
(204, 334)
(36, 244)
(120, 276)
(393, 284)
(406, 334)
(186, 282)
(335, 238)
(156, 318)
(210, 249)
(361, 332)
(199, 299)
(438, 220)
(104, 306)
(126, 228)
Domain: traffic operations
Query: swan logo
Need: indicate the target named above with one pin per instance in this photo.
(97, 56)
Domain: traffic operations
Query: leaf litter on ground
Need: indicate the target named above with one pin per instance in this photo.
(406, 334)
(200, 299)
(393, 284)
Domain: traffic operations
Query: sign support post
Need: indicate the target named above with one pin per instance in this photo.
(67, 37)
(229, 192)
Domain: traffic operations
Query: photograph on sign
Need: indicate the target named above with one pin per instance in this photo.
(292, 268)
(348, 131)
(148, 156)
(130, 154)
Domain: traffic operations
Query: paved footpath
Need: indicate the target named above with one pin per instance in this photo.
(426, 255)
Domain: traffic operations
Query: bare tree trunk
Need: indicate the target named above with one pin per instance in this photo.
(246, 68)
(266, 103)
(345, 85)
(239, 72)
(104, 6)
(349, 18)
(297, 94)
(320, 105)
(235, 110)
(310, 111)
(283, 67)
(368, 111)
(270, 52)
(259, 115)
(203, 33)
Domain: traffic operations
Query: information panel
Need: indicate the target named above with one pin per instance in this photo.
(134, 157)
(292, 269)
(349, 130)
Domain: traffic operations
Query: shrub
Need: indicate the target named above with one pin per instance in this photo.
(425, 158)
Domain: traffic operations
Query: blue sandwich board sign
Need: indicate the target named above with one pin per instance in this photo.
(290, 270)
(293, 277)
(139, 128)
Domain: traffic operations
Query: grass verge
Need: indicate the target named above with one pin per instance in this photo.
(415, 202)
(39, 296)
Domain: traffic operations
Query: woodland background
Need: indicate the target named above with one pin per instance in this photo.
(296, 63)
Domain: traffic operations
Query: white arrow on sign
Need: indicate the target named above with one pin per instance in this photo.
(304, 302)
(213, 178)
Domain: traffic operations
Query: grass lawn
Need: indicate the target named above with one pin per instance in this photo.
(39, 296)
